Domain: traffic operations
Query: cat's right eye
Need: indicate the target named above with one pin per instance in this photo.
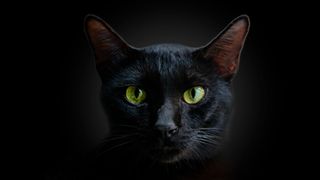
(135, 95)
(194, 95)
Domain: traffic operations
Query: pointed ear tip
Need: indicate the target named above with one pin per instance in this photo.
(244, 18)
(88, 18)
(91, 18)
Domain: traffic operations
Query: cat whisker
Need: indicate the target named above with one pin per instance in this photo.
(116, 146)
(195, 153)
(118, 134)
(210, 132)
(118, 137)
(211, 128)
(207, 142)
(214, 139)
(128, 126)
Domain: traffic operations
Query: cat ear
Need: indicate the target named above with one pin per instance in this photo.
(108, 46)
(225, 49)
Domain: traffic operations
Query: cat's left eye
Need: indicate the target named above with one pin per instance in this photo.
(135, 95)
(194, 95)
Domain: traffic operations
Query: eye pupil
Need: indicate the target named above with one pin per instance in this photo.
(193, 92)
(137, 92)
(194, 95)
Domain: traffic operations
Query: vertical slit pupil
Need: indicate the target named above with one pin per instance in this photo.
(136, 93)
(193, 92)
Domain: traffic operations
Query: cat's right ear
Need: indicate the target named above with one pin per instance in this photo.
(224, 50)
(108, 46)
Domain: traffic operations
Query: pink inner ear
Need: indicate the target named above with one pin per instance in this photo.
(226, 58)
(106, 43)
(225, 50)
(227, 70)
(232, 67)
(94, 26)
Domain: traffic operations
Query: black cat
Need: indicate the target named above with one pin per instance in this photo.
(168, 104)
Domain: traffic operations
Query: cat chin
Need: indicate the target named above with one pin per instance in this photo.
(171, 160)
(167, 155)
(180, 155)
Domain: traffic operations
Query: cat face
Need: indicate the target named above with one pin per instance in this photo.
(167, 102)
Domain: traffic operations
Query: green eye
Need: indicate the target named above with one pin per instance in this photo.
(135, 95)
(194, 95)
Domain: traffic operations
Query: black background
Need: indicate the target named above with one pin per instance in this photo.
(56, 85)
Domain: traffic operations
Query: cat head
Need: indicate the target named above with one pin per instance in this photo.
(168, 102)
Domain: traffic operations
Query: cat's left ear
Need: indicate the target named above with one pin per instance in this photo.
(225, 49)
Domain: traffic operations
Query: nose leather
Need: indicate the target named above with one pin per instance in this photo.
(165, 123)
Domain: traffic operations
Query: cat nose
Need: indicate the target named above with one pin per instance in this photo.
(167, 130)
(166, 122)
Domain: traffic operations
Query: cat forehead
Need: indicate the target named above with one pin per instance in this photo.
(169, 50)
(163, 62)
(170, 55)
(167, 59)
